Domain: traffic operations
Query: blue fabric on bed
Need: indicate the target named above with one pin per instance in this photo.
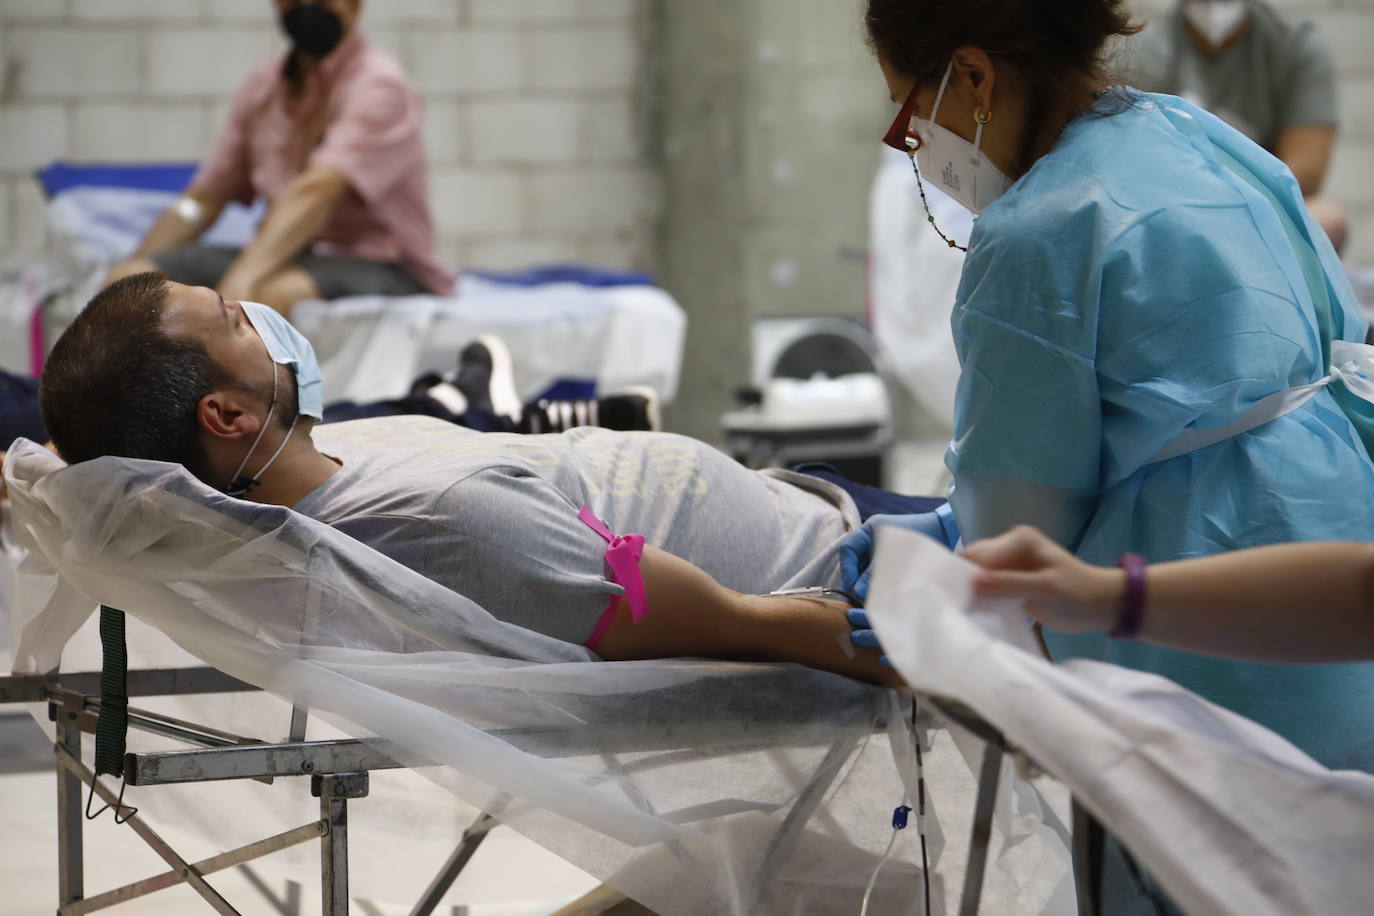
(157, 176)
(568, 273)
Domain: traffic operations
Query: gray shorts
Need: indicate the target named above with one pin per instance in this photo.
(335, 275)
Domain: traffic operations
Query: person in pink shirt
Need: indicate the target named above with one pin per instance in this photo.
(329, 134)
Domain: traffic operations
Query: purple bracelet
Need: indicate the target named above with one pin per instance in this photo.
(1132, 614)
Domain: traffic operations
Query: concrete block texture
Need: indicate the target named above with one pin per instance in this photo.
(137, 132)
(1357, 108)
(5, 230)
(1351, 178)
(243, 11)
(466, 62)
(428, 12)
(39, 10)
(444, 133)
(562, 129)
(31, 136)
(517, 253)
(581, 58)
(478, 203)
(73, 62)
(1348, 29)
(552, 11)
(28, 214)
(605, 198)
(205, 62)
(140, 10)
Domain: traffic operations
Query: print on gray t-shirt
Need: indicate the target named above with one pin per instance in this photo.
(494, 516)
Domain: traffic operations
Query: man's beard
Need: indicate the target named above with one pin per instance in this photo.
(288, 397)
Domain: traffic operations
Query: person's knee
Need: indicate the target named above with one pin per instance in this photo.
(135, 265)
(285, 288)
(1332, 218)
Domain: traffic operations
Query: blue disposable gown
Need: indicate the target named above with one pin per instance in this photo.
(1136, 282)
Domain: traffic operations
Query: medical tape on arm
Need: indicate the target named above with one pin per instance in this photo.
(622, 559)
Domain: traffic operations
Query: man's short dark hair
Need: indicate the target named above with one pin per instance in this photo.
(116, 384)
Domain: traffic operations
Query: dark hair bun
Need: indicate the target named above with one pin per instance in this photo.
(1048, 41)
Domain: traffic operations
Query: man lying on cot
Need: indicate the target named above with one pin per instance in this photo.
(157, 370)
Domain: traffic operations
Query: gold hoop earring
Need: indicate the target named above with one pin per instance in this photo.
(981, 116)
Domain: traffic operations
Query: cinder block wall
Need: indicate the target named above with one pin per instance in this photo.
(536, 110)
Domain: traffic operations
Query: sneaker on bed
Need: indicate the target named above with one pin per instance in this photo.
(634, 409)
(486, 379)
(483, 381)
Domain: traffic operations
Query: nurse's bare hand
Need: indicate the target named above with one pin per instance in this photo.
(1058, 589)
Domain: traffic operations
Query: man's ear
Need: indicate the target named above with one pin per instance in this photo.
(225, 413)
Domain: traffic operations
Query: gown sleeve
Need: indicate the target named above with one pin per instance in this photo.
(1028, 423)
(1027, 433)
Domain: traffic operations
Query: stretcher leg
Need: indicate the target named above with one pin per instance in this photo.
(334, 792)
(70, 866)
(467, 847)
(1088, 839)
(988, 778)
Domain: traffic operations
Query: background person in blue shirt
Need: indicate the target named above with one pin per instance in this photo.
(1152, 330)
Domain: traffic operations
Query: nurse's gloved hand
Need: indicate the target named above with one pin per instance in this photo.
(862, 633)
(856, 550)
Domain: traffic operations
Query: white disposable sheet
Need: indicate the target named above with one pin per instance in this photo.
(372, 347)
(693, 786)
(1229, 817)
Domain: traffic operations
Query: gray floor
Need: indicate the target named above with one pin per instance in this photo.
(509, 876)
(23, 746)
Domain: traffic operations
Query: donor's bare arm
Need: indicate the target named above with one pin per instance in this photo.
(690, 614)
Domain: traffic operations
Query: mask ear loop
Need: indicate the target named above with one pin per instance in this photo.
(940, 96)
(981, 118)
(238, 486)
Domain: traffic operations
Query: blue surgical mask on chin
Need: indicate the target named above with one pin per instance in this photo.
(288, 347)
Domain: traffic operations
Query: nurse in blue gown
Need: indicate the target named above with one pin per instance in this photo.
(1160, 352)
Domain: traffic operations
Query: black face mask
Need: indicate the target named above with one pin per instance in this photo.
(313, 29)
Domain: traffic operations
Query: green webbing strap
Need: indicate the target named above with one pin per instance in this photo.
(113, 725)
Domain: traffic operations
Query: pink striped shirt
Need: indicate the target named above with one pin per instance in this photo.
(358, 113)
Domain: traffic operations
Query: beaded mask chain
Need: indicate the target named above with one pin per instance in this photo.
(930, 217)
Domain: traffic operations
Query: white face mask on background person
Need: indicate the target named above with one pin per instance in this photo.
(1218, 21)
(955, 165)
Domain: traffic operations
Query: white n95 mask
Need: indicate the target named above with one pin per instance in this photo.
(1218, 21)
(288, 347)
(955, 165)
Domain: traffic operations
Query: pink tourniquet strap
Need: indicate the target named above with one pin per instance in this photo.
(36, 343)
(622, 558)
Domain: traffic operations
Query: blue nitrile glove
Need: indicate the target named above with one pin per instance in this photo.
(862, 633)
(856, 550)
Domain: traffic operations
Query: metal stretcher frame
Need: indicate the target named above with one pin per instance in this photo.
(339, 771)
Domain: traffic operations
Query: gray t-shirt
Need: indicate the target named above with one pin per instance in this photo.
(494, 516)
(1278, 74)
